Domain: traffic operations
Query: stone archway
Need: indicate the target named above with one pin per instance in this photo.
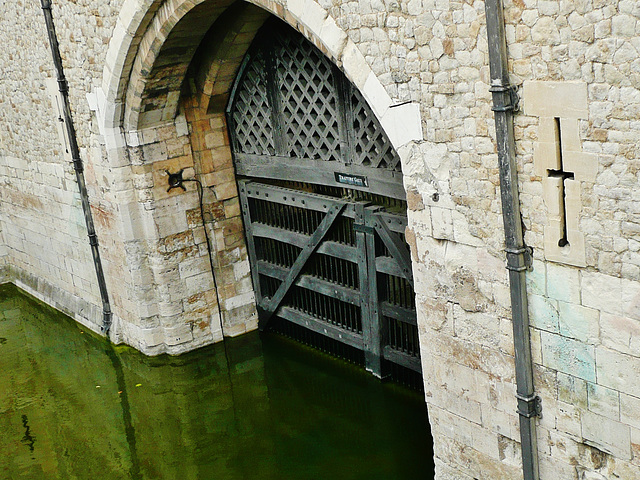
(160, 109)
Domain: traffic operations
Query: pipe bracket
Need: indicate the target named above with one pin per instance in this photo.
(505, 98)
(519, 259)
(529, 406)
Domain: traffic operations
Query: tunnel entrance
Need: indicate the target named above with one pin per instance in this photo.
(323, 206)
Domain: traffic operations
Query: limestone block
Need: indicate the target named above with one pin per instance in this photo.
(182, 127)
(198, 283)
(631, 298)
(442, 223)
(563, 283)
(194, 266)
(241, 269)
(572, 390)
(150, 336)
(376, 96)
(434, 314)
(402, 123)
(568, 356)
(624, 25)
(602, 292)
(537, 278)
(310, 14)
(580, 323)
(333, 37)
(355, 65)
(461, 231)
(543, 313)
(554, 198)
(630, 410)
(477, 327)
(239, 300)
(620, 333)
(618, 371)
(555, 99)
(560, 445)
(607, 435)
(604, 401)
(552, 467)
(546, 156)
(178, 334)
(451, 425)
(573, 206)
(502, 422)
(583, 165)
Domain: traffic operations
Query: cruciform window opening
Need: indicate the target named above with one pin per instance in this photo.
(562, 177)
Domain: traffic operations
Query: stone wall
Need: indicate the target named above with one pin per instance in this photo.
(42, 222)
(576, 65)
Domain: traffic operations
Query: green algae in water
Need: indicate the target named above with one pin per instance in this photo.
(72, 406)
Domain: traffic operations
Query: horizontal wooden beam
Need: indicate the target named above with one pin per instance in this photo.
(307, 170)
(403, 359)
(402, 314)
(327, 329)
(339, 292)
(333, 249)
(294, 198)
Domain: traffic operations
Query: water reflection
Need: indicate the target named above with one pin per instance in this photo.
(74, 407)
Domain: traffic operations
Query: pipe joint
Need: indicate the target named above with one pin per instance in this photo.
(93, 239)
(505, 97)
(529, 406)
(106, 321)
(77, 165)
(63, 85)
(519, 259)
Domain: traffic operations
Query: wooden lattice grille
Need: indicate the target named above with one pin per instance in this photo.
(292, 103)
(371, 147)
(309, 100)
(253, 132)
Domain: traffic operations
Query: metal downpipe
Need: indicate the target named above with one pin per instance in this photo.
(77, 165)
(518, 255)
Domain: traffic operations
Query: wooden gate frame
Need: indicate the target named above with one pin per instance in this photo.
(368, 221)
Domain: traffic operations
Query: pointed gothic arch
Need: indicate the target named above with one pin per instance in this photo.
(154, 60)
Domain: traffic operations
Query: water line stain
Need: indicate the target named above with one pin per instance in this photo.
(253, 407)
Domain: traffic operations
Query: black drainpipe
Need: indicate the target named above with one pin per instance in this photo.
(518, 254)
(77, 165)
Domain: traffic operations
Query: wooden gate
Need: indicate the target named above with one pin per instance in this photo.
(323, 203)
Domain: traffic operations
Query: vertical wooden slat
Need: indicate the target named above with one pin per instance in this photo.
(251, 246)
(345, 123)
(273, 97)
(373, 354)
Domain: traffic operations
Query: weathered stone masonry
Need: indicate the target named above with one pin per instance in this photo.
(142, 108)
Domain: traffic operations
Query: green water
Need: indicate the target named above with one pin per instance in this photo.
(74, 407)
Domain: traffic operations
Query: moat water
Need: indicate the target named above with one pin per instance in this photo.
(72, 406)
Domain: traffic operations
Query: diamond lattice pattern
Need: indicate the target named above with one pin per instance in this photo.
(310, 106)
(309, 100)
(252, 113)
(371, 147)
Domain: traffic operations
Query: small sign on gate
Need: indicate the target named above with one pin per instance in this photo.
(352, 180)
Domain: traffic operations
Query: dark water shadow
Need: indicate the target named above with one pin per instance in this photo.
(251, 408)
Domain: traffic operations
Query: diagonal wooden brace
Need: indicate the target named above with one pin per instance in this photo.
(269, 307)
(396, 247)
